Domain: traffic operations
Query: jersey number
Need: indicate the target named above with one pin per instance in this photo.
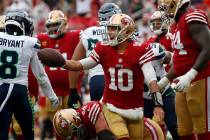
(121, 75)
(91, 43)
(177, 44)
(8, 69)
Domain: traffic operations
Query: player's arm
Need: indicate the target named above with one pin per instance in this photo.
(201, 35)
(43, 80)
(102, 129)
(151, 79)
(74, 100)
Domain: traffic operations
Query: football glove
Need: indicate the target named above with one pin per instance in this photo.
(74, 100)
(185, 80)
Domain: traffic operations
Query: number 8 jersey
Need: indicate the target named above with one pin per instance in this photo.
(15, 55)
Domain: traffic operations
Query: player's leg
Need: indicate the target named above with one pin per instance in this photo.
(117, 124)
(184, 121)
(23, 111)
(136, 129)
(152, 130)
(148, 113)
(96, 84)
(170, 114)
(198, 103)
(6, 113)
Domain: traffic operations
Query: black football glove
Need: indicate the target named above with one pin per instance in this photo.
(74, 100)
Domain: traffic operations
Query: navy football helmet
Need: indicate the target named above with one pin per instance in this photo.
(18, 23)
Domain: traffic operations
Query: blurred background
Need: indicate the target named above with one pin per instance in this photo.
(82, 14)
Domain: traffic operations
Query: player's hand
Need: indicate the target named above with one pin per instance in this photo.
(54, 102)
(184, 81)
(158, 114)
(74, 100)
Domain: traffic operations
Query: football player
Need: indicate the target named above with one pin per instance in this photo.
(18, 50)
(191, 68)
(163, 56)
(88, 40)
(57, 37)
(88, 122)
(125, 64)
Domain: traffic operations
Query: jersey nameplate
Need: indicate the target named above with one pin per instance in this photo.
(11, 43)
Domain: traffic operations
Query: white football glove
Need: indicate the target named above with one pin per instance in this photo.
(54, 102)
(185, 80)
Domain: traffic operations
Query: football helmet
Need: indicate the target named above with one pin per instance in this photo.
(19, 23)
(119, 28)
(56, 24)
(68, 124)
(106, 11)
(157, 24)
(171, 6)
(2, 23)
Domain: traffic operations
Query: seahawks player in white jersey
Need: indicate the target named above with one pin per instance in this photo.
(89, 38)
(17, 51)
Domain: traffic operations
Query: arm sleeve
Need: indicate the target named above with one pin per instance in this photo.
(88, 63)
(42, 78)
(149, 72)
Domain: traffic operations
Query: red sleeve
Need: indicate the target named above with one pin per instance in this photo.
(147, 54)
(198, 16)
(97, 52)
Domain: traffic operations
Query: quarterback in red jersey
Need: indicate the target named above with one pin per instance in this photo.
(125, 64)
(191, 68)
(88, 122)
(65, 42)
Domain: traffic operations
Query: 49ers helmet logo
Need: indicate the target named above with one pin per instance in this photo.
(126, 21)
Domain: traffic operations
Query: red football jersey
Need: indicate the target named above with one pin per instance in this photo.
(123, 75)
(186, 50)
(89, 114)
(66, 45)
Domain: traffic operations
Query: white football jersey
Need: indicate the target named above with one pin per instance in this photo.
(89, 38)
(16, 54)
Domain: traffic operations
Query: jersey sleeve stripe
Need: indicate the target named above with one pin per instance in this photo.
(146, 57)
(96, 116)
(195, 16)
(93, 113)
(95, 56)
(203, 21)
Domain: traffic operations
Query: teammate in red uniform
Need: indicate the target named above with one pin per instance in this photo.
(125, 65)
(191, 68)
(65, 42)
(88, 122)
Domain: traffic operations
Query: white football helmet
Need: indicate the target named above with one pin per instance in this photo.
(56, 24)
(171, 6)
(68, 124)
(119, 28)
(157, 24)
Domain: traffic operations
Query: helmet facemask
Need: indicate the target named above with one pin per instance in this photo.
(56, 29)
(171, 7)
(158, 25)
(56, 24)
(119, 28)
